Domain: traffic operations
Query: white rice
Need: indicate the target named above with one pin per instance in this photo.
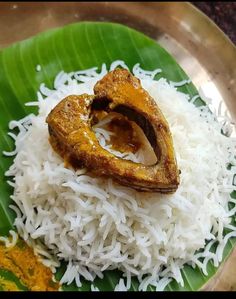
(10, 242)
(96, 224)
(94, 288)
(38, 68)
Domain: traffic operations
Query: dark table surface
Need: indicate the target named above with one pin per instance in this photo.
(223, 14)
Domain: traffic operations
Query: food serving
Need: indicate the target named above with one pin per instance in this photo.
(96, 223)
(71, 135)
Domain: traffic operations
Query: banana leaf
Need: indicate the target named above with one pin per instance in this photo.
(75, 47)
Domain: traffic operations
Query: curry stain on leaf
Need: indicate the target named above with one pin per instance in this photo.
(21, 262)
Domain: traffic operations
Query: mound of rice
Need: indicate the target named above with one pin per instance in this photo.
(96, 224)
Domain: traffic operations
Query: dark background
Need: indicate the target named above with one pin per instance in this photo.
(223, 14)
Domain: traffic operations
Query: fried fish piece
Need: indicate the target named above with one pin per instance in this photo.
(72, 137)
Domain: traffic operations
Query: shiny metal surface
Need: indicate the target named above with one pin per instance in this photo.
(199, 46)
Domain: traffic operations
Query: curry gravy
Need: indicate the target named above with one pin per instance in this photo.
(125, 137)
(21, 261)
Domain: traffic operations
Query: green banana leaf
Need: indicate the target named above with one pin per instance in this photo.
(9, 276)
(75, 47)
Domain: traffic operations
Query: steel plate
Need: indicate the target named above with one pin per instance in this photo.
(199, 46)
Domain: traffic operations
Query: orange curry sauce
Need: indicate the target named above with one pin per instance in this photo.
(125, 136)
(21, 261)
